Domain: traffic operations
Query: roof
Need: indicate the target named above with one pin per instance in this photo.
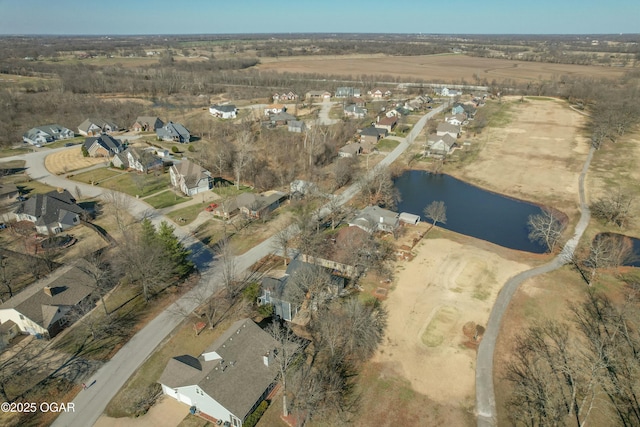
(353, 148)
(374, 215)
(6, 189)
(446, 139)
(281, 117)
(298, 124)
(387, 121)
(84, 126)
(228, 108)
(52, 130)
(151, 121)
(239, 378)
(172, 130)
(49, 208)
(107, 142)
(69, 285)
(448, 127)
(353, 108)
(255, 202)
(191, 172)
(370, 131)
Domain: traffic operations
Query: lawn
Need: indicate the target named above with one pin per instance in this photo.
(63, 142)
(8, 152)
(387, 144)
(188, 214)
(226, 191)
(96, 175)
(165, 199)
(131, 183)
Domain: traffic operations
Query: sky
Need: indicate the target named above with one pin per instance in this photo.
(115, 17)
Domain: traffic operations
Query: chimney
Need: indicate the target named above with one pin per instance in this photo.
(47, 290)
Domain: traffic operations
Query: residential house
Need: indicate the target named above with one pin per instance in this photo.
(174, 132)
(468, 109)
(226, 208)
(408, 218)
(350, 150)
(285, 96)
(418, 102)
(258, 205)
(93, 127)
(355, 111)
(297, 126)
(318, 94)
(103, 146)
(303, 187)
(371, 135)
(343, 252)
(147, 124)
(8, 331)
(445, 91)
(457, 109)
(274, 109)
(386, 123)
(41, 135)
(286, 293)
(230, 378)
(379, 93)
(457, 120)
(52, 212)
(42, 308)
(190, 178)
(375, 218)
(137, 159)
(440, 145)
(448, 129)
(347, 92)
(281, 119)
(8, 192)
(228, 111)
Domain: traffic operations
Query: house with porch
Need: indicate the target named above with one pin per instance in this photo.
(347, 92)
(230, 378)
(137, 159)
(190, 178)
(284, 96)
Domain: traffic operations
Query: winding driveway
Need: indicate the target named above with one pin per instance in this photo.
(485, 395)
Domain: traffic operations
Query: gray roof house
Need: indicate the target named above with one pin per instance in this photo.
(228, 111)
(287, 297)
(41, 308)
(448, 129)
(47, 133)
(355, 111)
(137, 159)
(230, 378)
(350, 150)
(103, 146)
(52, 212)
(173, 132)
(147, 124)
(92, 127)
(297, 126)
(190, 178)
(282, 118)
(347, 92)
(375, 218)
(440, 145)
(371, 134)
(257, 205)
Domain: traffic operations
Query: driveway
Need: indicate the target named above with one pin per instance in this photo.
(166, 412)
(323, 114)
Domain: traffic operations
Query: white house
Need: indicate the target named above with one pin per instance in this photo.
(41, 308)
(445, 91)
(228, 111)
(274, 109)
(46, 134)
(190, 178)
(230, 379)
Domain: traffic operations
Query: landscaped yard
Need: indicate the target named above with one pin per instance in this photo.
(165, 199)
(387, 144)
(188, 214)
(131, 183)
(96, 175)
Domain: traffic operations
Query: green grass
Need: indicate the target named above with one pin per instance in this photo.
(498, 114)
(387, 144)
(96, 175)
(231, 190)
(77, 141)
(434, 335)
(136, 184)
(165, 199)
(8, 152)
(189, 213)
(539, 98)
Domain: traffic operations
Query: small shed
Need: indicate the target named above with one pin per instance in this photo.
(408, 218)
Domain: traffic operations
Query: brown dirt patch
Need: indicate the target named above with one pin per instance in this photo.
(70, 160)
(445, 68)
(537, 156)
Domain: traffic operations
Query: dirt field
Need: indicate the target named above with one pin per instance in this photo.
(445, 68)
(537, 156)
(70, 160)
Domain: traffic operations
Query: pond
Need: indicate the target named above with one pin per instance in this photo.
(470, 210)
(629, 248)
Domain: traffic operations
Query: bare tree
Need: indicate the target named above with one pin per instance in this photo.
(242, 156)
(377, 188)
(289, 347)
(282, 241)
(228, 268)
(98, 269)
(436, 211)
(546, 229)
(606, 251)
(616, 207)
(118, 205)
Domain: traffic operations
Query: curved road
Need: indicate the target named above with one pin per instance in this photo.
(485, 395)
(90, 404)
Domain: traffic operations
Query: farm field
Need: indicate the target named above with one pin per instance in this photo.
(443, 68)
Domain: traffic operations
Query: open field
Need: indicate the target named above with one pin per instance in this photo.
(443, 68)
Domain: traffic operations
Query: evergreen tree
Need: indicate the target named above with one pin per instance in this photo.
(175, 250)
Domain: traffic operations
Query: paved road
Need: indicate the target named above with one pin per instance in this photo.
(323, 114)
(485, 395)
(90, 403)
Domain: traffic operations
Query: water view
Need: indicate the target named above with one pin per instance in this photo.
(470, 210)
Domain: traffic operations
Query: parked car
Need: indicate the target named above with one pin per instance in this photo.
(3, 225)
(21, 198)
(211, 207)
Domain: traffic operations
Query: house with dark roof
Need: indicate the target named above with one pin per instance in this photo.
(52, 212)
(281, 119)
(375, 218)
(355, 111)
(147, 124)
(297, 126)
(41, 135)
(228, 111)
(387, 123)
(258, 205)
(103, 146)
(173, 132)
(190, 178)
(230, 378)
(288, 291)
(92, 127)
(137, 159)
(41, 309)
(371, 135)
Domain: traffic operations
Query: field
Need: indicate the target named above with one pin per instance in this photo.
(70, 160)
(443, 68)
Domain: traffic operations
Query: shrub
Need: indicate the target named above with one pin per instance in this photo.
(191, 148)
(85, 152)
(174, 149)
(253, 419)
